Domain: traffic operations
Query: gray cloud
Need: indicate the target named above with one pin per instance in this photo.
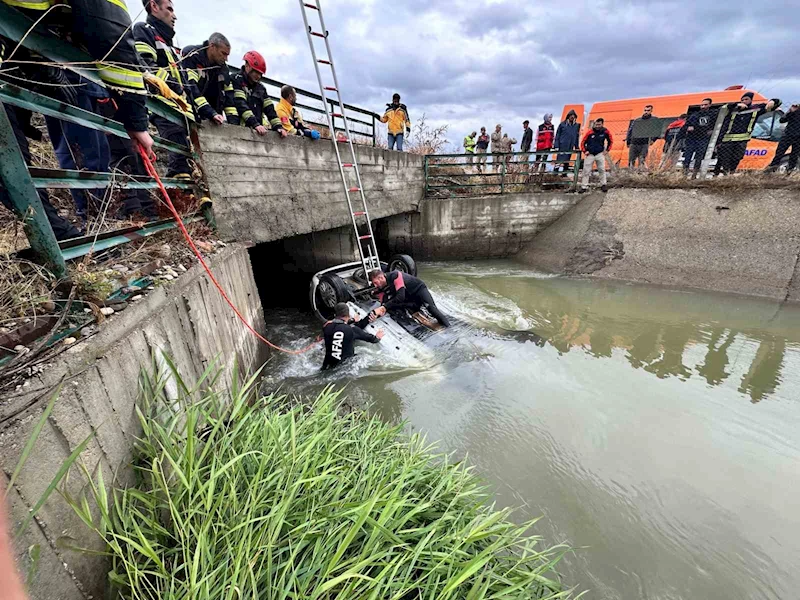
(468, 63)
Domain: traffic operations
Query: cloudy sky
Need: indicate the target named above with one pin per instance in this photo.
(467, 63)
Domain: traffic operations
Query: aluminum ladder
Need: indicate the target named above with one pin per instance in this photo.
(364, 237)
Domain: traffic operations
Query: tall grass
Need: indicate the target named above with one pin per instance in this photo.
(261, 498)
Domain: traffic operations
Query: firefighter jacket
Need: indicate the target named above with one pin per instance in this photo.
(396, 116)
(103, 28)
(253, 105)
(290, 117)
(738, 124)
(157, 52)
(209, 85)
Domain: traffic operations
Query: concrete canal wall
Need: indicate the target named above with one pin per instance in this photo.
(474, 227)
(745, 242)
(187, 319)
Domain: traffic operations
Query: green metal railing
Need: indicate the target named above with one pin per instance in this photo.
(21, 182)
(459, 175)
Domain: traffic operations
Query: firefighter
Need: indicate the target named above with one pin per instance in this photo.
(256, 110)
(102, 27)
(340, 335)
(291, 119)
(154, 43)
(737, 129)
(209, 81)
(469, 146)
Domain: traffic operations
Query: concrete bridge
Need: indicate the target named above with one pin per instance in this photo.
(288, 192)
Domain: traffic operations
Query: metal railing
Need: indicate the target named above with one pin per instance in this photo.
(21, 182)
(460, 175)
(367, 126)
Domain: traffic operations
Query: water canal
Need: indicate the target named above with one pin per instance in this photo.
(657, 431)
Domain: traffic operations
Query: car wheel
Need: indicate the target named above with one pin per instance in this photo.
(331, 290)
(403, 263)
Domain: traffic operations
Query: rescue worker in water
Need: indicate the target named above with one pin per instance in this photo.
(397, 290)
(340, 336)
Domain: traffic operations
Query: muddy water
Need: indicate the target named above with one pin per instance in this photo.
(656, 430)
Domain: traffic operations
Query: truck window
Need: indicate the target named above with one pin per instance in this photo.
(777, 127)
(763, 128)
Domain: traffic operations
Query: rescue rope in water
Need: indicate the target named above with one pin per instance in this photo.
(151, 170)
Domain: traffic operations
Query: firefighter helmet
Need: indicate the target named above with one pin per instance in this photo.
(255, 61)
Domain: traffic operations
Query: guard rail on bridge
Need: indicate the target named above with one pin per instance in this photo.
(461, 175)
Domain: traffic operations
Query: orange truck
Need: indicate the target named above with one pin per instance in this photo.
(618, 115)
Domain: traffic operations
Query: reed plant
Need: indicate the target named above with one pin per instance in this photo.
(242, 496)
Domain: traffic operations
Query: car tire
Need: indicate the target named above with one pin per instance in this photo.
(404, 263)
(330, 291)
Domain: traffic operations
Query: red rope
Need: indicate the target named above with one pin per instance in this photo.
(153, 173)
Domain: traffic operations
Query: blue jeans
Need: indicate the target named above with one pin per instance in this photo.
(694, 149)
(396, 138)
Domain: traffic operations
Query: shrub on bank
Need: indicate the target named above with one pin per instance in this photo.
(256, 498)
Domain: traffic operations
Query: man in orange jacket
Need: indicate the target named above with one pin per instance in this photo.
(396, 116)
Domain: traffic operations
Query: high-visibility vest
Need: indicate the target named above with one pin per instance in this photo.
(469, 145)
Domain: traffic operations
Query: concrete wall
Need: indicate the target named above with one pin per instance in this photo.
(744, 242)
(189, 320)
(268, 188)
(475, 227)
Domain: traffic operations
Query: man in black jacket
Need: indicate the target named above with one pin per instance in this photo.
(698, 129)
(340, 336)
(256, 109)
(595, 144)
(155, 45)
(527, 140)
(208, 80)
(638, 147)
(790, 137)
(397, 290)
(737, 128)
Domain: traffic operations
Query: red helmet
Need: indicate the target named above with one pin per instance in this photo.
(255, 61)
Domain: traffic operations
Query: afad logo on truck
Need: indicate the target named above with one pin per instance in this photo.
(618, 115)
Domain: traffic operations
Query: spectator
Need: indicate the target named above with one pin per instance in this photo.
(157, 51)
(469, 146)
(527, 140)
(396, 116)
(482, 146)
(209, 81)
(790, 137)
(699, 127)
(507, 147)
(737, 129)
(639, 146)
(673, 139)
(595, 144)
(567, 139)
(497, 144)
(544, 141)
(256, 110)
(290, 117)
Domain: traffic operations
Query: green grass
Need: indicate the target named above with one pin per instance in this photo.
(255, 498)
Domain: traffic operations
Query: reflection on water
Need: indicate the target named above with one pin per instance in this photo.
(657, 430)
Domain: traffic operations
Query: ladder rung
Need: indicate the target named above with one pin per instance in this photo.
(360, 213)
(340, 115)
(323, 61)
(331, 89)
(310, 5)
(354, 189)
(350, 165)
(318, 34)
(364, 237)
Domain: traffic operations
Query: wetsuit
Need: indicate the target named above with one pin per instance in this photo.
(340, 338)
(406, 291)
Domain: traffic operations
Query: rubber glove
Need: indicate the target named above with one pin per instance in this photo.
(166, 91)
(312, 133)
